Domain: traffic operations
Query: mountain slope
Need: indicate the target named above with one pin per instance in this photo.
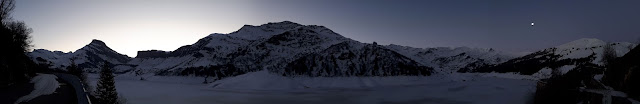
(448, 60)
(89, 57)
(561, 58)
(352, 58)
(248, 49)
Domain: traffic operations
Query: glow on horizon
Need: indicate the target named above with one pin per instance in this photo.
(68, 26)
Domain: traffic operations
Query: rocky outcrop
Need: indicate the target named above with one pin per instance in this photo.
(152, 54)
(356, 59)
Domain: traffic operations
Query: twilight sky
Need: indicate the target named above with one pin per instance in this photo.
(131, 25)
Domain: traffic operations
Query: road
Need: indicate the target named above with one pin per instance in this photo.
(69, 92)
(80, 92)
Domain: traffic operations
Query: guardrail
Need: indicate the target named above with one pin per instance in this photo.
(81, 93)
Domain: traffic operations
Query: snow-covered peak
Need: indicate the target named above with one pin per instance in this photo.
(95, 45)
(99, 47)
(582, 43)
(226, 43)
(48, 52)
(263, 31)
(96, 42)
(283, 24)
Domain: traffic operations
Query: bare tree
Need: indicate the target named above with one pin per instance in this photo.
(608, 54)
(6, 6)
(14, 42)
(15, 34)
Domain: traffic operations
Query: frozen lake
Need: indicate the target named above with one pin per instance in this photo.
(463, 89)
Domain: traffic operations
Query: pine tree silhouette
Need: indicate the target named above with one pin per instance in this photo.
(106, 89)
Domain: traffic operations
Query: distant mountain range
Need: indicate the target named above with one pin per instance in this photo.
(563, 58)
(291, 49)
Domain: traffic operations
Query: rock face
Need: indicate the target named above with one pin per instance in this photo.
(352, 58)
(152, 54)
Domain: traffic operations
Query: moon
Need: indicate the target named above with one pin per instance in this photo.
(532, 23)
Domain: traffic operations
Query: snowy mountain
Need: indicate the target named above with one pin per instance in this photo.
(90, 57)
(251, 48)
(562, 58)
(280, 48)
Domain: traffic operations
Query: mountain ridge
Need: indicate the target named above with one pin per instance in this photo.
(90, 56)
(272, 46)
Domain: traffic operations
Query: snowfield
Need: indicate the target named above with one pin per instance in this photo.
(44, 84)
(266, 88)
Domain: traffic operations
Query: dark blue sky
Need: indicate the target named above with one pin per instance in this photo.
(500, 24)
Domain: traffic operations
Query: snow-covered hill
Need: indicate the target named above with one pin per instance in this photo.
(561, 58)
(586, 46)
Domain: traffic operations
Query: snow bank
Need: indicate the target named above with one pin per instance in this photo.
(565, 69)
(543, 73)
(44, 84)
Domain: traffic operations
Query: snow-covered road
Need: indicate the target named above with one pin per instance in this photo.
(44, 84)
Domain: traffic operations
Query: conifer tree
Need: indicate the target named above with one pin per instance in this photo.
(106, 89)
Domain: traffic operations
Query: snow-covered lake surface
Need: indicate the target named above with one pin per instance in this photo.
(264, 88)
